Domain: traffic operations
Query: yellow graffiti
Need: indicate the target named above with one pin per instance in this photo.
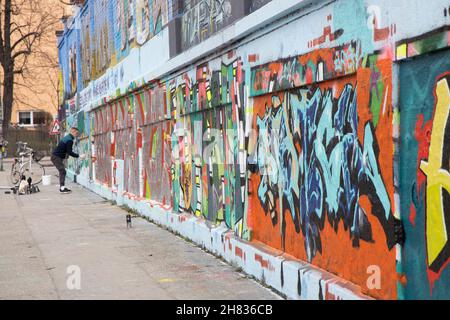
(438, 179)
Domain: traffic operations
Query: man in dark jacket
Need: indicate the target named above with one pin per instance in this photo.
(62, 152)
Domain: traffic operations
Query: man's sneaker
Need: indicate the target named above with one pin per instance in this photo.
(65, 191)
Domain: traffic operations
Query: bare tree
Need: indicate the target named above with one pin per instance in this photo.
(24, 26)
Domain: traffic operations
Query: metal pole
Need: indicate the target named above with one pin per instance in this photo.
(3, 144)
(1, 134)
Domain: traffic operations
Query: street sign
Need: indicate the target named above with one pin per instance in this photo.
(56, 128)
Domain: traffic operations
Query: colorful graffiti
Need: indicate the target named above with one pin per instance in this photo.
(151, 17)
(439, 39)
(156, 145)
(328, 35)
(73, 72)
(120, 28)
(143, 21)
(203, 18)
(82, 145)
(108, 31)
(300, 170)
(209, 146)
(135, 129)
(101, 153)
(86, 67)
(101, 50)
(425, 174)
(437, 170)
(300, 153)
(127, 141)
(320, 65)
(330, 173)
(320, 176)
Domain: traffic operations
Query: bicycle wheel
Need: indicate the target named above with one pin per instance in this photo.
(15, 174)
(36, 172)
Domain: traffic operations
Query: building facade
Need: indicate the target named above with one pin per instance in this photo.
(314, 132)
(36, 93)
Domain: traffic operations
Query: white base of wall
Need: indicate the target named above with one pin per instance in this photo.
(291, 277)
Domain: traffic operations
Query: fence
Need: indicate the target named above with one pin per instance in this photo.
(38, 138)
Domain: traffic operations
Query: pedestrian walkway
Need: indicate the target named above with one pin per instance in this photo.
(43, 235)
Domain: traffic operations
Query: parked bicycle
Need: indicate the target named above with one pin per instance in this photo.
(27, 165)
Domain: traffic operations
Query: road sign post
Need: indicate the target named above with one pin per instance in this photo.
(56, 128)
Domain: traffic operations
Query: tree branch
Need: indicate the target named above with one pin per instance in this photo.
(23, 39)
(19, 53)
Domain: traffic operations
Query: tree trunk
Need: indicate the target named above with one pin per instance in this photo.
(8, 68)
(8, 98)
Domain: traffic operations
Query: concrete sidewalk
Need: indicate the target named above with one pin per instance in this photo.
(42, 235)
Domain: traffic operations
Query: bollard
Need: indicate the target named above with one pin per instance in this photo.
(129, 221)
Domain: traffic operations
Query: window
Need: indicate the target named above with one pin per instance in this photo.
(25, 118)
(34, 118)
(39, 118)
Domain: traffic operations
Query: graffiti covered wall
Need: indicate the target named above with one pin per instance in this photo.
(101, 151)
(82, 145)
(110, 30)
(156, 130)
(322, 188)
(293, 145)
(425, 132)
(136, 130)
(209, 168)
(107, 32)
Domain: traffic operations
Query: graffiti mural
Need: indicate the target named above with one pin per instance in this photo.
(159, 15)
(137, 130)
(120, 28)
(425, 174)
(102, 148)
(209, 147)
(156, 145)
(73, 68)
(109, 29)
(300, 141)
(320, 175)
(127, 140)
(437, 171)
(203, 18)
(86, 71)
(73, 63)
(142, 21)
(330, 174)
(82, 145)
(439, 39)
(320, 65)
(101, 38)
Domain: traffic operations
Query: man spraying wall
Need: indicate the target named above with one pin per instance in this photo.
(62, 152)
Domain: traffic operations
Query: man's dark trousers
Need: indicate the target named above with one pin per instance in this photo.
(59, 164)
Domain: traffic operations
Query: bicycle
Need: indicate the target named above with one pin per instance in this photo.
(28, 165)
